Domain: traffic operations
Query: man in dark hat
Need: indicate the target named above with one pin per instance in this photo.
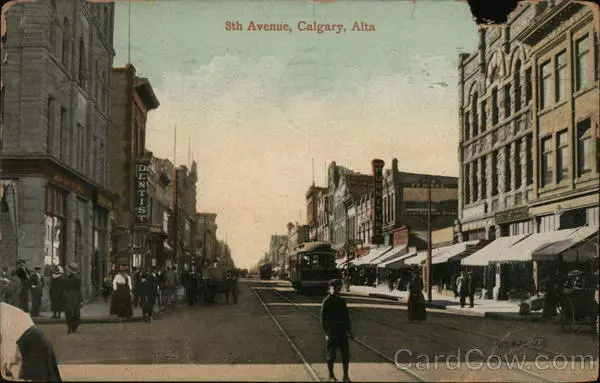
(335, 320)
(72, 298)
(36, 283)
(23, 274)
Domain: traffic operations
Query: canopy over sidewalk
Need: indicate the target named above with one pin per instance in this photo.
(577, 247)
(398, 261)
(491, 251)
(452, 252)
(373, 255)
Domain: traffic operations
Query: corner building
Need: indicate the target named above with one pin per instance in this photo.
(529, 117)
(56, 69)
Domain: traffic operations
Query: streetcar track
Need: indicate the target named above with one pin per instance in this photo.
(397, 327)
(358, 341)
(307, 365)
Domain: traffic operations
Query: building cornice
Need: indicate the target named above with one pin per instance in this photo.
(544, 23)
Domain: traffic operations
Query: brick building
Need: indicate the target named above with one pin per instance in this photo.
(529, 107)
(185, 214)
(56, 70)
(132, 98)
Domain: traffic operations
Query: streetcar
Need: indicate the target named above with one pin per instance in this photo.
(312, 266)
(265, 271)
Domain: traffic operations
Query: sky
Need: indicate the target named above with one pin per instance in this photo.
(257, 107)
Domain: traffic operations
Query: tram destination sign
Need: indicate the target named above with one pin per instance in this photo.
(377, 213)
(141, 193)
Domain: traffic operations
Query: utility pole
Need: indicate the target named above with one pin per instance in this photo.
(428, 263)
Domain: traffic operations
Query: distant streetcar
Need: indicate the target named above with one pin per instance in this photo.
(312, 266)
(265, 271)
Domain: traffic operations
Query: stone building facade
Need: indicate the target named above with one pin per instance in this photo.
(185, 214)
(529, 124)
(206, 237)
(277, 241)
(132, 98)
(160, 207)
(56, 72)
(314, 211)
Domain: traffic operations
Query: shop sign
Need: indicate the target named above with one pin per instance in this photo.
(400, 237)
(512, 215)
(69, 184)
(141, 192)
(104, 202)
(377, 208)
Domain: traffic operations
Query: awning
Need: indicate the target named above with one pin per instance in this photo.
(392, 254)
(452, 252)
(422, 256)
(397, 262)
(522, 250)
(372, 256)
(491, 251)
(577, 247)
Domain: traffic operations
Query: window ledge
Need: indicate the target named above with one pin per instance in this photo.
(584, 90)
(552, 107)
(586, 178)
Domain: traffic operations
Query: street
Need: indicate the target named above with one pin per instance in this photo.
(243, 342)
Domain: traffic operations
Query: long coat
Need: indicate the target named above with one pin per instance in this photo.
(56, 293)
(147, 291)
(72, 300)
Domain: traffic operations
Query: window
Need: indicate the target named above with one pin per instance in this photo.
(518, 173)
(483, 116)
(475, 182)
(528, 86)
(106, 23)
(62, 149)
(581, 63)
(529, 159)
(467, 184)
(584, 147)
(495, 115)
(475, 105)
(517, 81)
(82, 68)
(545, 85)
(507, 106)
(561, 75)
(50, 126)
(467, 126)
(495, 173)
(483, 178)
(546, 161)
(562, 156)
(94, 159)
(507, 169)
(65, 43)
(2, 96)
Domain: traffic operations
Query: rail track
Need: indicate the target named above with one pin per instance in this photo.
(411, 375)
(357, 312)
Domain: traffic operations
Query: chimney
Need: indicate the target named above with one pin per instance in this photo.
(395, 165)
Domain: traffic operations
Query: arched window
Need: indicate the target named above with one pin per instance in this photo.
(82, 67)
(517, 82)
(65, 42)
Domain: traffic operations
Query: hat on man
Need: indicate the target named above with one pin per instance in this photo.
(38, 268)
(56, 270)
(20, 262)
(335, 283)
(73, 268)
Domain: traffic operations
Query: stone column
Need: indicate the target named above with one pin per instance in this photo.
(488, 175)
(480, 179)
(513, 148)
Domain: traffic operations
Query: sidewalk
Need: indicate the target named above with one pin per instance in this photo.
(97, 311)
(488, 308)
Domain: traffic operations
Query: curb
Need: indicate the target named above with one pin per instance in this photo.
(97, 320)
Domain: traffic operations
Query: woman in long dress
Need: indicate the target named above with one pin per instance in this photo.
(72, 298)
(121, 304)
(416, 300)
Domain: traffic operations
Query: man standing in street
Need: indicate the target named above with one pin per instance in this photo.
(36, 282)
(72, 298)
(335, 320)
